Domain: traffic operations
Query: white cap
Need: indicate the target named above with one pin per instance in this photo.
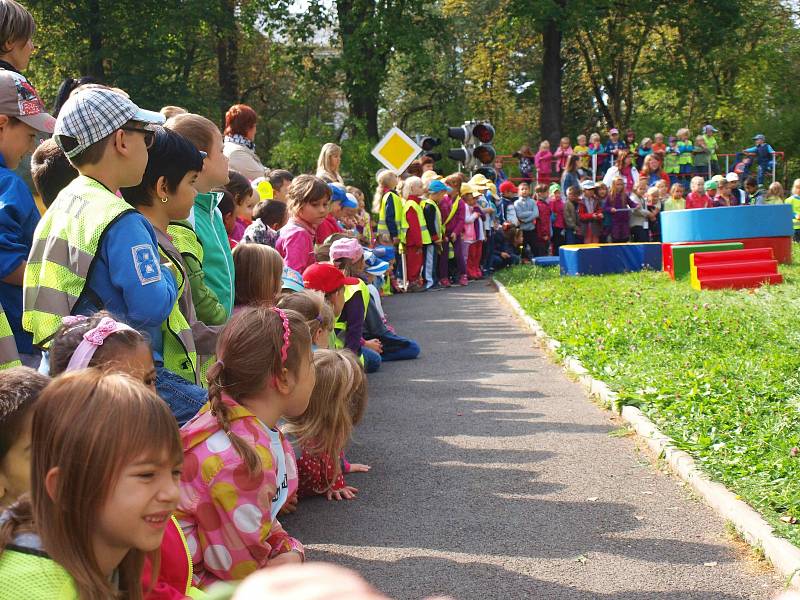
(732, 177)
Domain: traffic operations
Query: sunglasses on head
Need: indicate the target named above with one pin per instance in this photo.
(149, 134)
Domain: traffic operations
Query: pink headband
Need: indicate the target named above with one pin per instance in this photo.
(286, 334)
(92, 340)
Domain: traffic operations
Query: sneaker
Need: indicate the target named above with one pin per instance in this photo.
(444, 283)
(463, 280)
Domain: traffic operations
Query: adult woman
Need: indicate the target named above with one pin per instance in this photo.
(570, 176)
(330, 158)
(239, 146)
(623, 168)
(653, 171)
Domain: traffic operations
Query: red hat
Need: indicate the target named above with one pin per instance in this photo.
(508, 186)
(326, 278)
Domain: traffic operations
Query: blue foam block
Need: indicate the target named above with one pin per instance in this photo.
(602, 259)
(546, 261)
(726, 223)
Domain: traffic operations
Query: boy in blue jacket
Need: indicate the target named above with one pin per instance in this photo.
(22, 115)
(764, 156)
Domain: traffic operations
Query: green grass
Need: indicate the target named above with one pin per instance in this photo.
(718, 371)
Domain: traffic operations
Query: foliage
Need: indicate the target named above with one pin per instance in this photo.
(716, 370)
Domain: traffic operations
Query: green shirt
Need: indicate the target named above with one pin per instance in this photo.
(217, 259)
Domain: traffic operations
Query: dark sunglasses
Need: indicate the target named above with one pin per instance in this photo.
(149, 135)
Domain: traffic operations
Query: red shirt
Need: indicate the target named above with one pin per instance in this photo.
(315, 475)
(697, 200)
(328, 227)
(414, 233)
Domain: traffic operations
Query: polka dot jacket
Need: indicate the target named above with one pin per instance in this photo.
(225, 513)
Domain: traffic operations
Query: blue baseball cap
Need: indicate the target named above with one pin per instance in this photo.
(349, 201)
(375, 266)
(292, 280)
(759, 136)
(384, 252)
(437, 185)
(338, 193)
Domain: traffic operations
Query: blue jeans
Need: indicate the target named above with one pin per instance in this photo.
(763, 170)
(372, 360)
(184, 399)
(396, 351)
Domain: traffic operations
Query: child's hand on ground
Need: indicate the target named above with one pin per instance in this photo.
(287, 558)
(359, 468)
(289, 506)
(348, 492)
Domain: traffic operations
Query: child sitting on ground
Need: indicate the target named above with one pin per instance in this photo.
(19, 389)
(261, 270)
(268, 218)
(317, 313)
(337, 404)
(264, 371)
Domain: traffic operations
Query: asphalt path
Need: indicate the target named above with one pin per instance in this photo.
(494, 476)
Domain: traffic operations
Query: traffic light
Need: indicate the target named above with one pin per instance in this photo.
(476, 152)
(428, 143)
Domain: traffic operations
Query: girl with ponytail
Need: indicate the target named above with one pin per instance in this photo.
(239, 470)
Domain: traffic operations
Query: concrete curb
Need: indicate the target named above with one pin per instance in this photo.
(783, 555)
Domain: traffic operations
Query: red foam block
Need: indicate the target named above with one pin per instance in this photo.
(737, 282)
(725, 256)
(781, 246)
(747, 267)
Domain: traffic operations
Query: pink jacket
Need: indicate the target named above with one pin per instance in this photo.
(296, 244)
(227, 516)
(544, 162)
(562, 155)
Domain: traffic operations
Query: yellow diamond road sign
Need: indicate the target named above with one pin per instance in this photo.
(396, 150)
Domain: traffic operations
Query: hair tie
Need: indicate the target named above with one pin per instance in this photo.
(92, 340)
(220, 363)
(319, 318)
(286, 335)
(71, 320)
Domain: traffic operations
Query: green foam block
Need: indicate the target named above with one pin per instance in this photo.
(681, 254)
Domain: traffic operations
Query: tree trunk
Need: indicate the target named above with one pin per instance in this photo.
(228, 58)
(95, 66)
(550, 91)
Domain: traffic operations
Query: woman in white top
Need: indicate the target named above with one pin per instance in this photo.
(624, 168)
(330, 157)
(240, 132)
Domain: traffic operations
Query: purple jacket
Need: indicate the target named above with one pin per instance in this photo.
(456, 224)
(620, 220)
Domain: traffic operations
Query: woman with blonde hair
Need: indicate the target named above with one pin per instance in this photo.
(328, 163)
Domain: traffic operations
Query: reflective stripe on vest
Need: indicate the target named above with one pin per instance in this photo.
(178, 349)
(438, 220)
(417, 208)
(65, 245)
(185, 240)
(383, 228)
(8, 347)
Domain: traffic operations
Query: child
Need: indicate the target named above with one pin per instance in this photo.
(640, 216)
(596, 152)
(711, 144)
(685, 148)
(473, 230)
(696, 197)
(581, 150)
(16, 46)
(268, 218)
(18, 213)
(590, 211)
(166, 194)
(100, 341)
(337, 404)
(51, 171)
(756, 193)
(362, 217)
(526, 162)
(659, 147)
(307, 205)
(630, 140)
(227, 209)
(330, 224)
(19, 389)
(775, 194)
(311, 305)
(508, 193)
(263, 267)
(527, 211)
(244, 199)
(562, 153)
(454, 212)
(644, 150)
(414, 234)
(115, 259)
(94, 527)
(654, 206)
(264, 371)
(280, 179)
(543, 224)
(612, 148)
(764, 156)
(672, 156)
(544, 163)
(433, 221)
(794, 200)
(202, 239)
(500, 174)
(710, 195)
(701, 157)
(388, 205)
(619, 206)
(676, 200)
(505, 250)
(557, 210)
(326, 278)
(572, 226)
(740, 196)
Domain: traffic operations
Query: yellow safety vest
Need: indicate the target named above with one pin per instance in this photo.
(65, 245)
(416, 207)
(32, 574)
(185, 240)
(383, 228)
(178, 349)
(8, 347)
(453, 210)
(341, 326)
(428, 202)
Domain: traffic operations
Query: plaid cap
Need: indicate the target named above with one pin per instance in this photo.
(19, 99)
(93, 114)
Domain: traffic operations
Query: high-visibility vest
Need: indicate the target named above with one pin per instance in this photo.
(453, 210)
(8, 347)
(416, 207)
(383, 228)
(438, 219)
(341, 326)
(65, 246)
(185, 240)
(30, 573)
(178, 350)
